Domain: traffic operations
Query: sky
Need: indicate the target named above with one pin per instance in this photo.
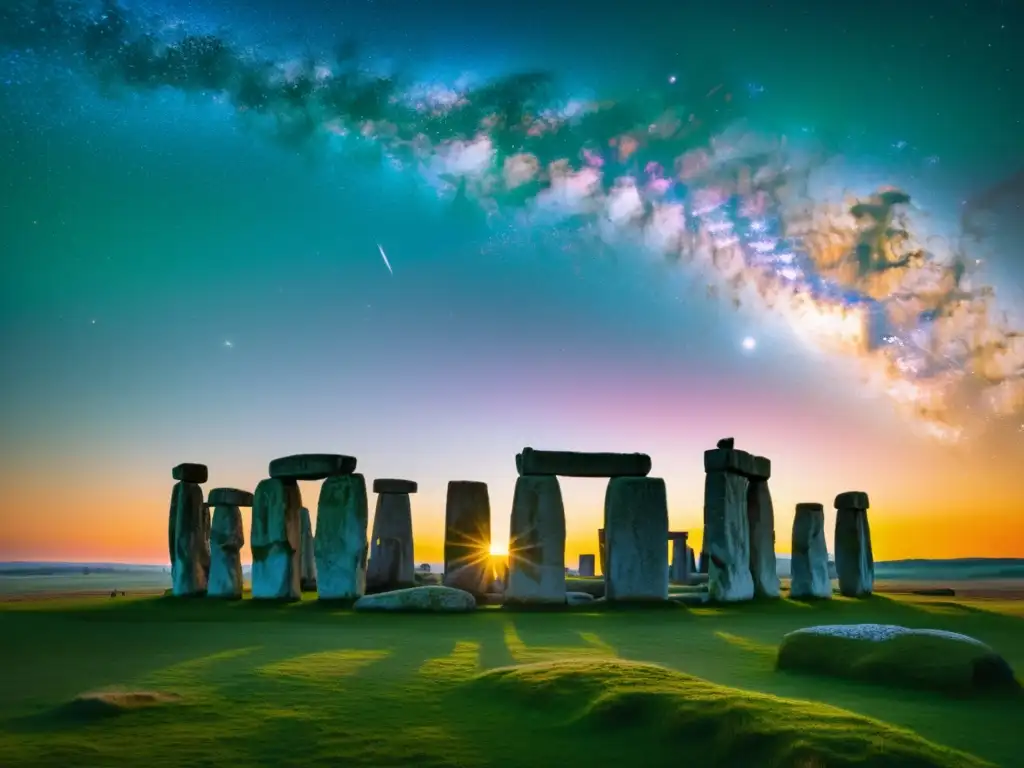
(191, 257)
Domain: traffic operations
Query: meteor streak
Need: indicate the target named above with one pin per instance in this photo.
(385, 257)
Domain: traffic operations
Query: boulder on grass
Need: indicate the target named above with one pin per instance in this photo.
(421, 599)
(893, 655)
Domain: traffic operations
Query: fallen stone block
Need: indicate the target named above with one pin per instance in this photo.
(419, 599)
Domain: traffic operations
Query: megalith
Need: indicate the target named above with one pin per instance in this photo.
(726, 526)
(467, 537)
(391, 563)
(679, 570)
(691, 556)
(586, 566)
(809, 565)
(536, 549)
(602, 551)
(227, 537)
(636, 535)
(340, 544)
(275, 540)
(855, 562)
(761, 524)
(189, 532)
(582, 464)
(307, 553)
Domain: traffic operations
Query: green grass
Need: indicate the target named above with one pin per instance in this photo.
(252, 684)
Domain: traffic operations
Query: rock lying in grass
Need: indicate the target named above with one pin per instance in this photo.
(430, 599)
(100, 704)
(673, 714)
(893, 655)
(578, 598)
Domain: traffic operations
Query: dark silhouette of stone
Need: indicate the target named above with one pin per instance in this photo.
(390, 485)
(307, 553)
(679, 570)
(855, 562)
(191, 473)
(573, 464)
(738, 462)
(312, 466)
(602, 549)
(229, 497)
(467, 535)
(586, 566)
(391, 564)
(727, 443)
(536, 542)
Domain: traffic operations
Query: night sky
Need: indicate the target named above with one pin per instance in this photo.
(191, 256)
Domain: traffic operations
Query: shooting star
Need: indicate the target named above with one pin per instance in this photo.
(385, 257)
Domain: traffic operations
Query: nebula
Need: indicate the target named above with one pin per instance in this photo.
(669, 170)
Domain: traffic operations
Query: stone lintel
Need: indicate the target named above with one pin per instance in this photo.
(852, 500)
(229, 497)
(580, 464)
(393, 485)
(191, 473)
(810, 506)
(312, 466)
(737, 462)
(677, 535)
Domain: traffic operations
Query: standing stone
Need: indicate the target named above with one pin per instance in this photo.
(809, 564)
(190, 563)
(761, 523)
(227, 537)
(679, 572)
(391, 545)
(855, 562)
(636, 531)
(602, 551)
(726, 529)
(702, 564)
(586, 568)
(467, 537)
(340, 544)
(307, 553)
(172, 529)
(692, 559)
(275, 540)
(536, 548)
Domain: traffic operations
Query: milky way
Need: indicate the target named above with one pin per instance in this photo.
(668, 170)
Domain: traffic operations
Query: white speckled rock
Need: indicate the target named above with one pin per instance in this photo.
(275, 539)
(855, 563)
(761, 523)
(341, 546)
(809, 576)
(307, 553)
(878, 633)
(537, 542)
(727, 537)
(190, 565)
(227, 537)
(391, 563)
(431, 599)
(636, 535)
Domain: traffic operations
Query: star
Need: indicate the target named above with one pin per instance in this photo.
(749, 344)
(229, 344)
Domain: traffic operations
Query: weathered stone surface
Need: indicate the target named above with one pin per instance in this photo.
(190, 566)
(586, 568)
(740, 462)
(536, 542)
(855, 562)
(809, 576)
(727, 537)
(392, 485)
(467, 534)
(761, 524)
(307, 553)
(341, 545)
(426, 599)
(312, 466)
(227, 537)
(275, 539)
(578, 598)
(602, 549)
(636, 532)
(229, 497)
(679, 572)
(852, 500)
(391, 564)
(575, 464)
(191, 473)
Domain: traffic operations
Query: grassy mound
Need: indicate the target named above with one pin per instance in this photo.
(913, 659)
(672, 714)
(103, 704)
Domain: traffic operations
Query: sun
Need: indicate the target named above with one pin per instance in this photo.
(499, 550)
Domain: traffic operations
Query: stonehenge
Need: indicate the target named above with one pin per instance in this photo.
(340, 543)
(536, 547)
(809, 564)
(307, 553)
(188, 532)
(572, 464)
(855, 563)
(601, 550)
(227, 537)
(586, 566)
(636, 532)
(391, 564)
(679, 570)
(467, 537)
(275, 540)
(761, 522)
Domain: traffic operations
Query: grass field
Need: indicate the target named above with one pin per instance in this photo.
(302, 684)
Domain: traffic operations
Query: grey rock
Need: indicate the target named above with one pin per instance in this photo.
(312, 466)
(190, 565)
(340, 544)
(855, 562)
(227, 537)
(576, 464)
(739, 462)
(602, 551)
(809, 577)
(391, 563)
(586, 566)
(275, 539)
(693, 560)
(578, 598)
(727, 537)
(191, 473)
(307, 553)
(761, 524)
(229, 497)
(426, 599)
(467, 532)
(636, 532)
(679, 571)
(536, 542)
(391, 485)
(852, 500)
(691, 598)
